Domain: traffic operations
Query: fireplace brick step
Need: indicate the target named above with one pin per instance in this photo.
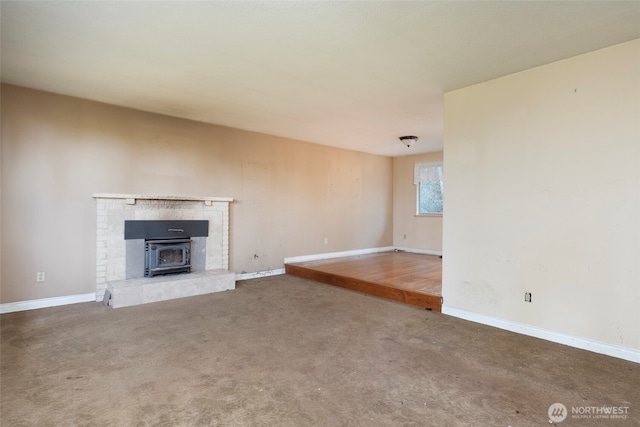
(125, 293)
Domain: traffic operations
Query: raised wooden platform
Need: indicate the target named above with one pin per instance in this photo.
(406, 277)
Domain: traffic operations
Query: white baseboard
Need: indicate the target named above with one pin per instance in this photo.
(329, 255)
(10, 307)
(266, 273)
(625, 353)
(418, 251)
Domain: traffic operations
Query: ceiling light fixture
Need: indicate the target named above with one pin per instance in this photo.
(408, 140)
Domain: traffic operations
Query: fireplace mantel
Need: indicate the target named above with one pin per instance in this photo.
(148, 197)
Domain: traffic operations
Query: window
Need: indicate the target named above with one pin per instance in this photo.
(428, 180)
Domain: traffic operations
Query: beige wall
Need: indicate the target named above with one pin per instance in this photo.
(543, 195)
(409, 230)
(57, 151)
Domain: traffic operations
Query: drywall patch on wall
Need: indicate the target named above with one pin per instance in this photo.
(481, 292)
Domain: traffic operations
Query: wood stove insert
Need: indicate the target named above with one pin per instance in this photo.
(167, 243)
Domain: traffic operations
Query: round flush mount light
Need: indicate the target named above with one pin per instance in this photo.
(408, 140)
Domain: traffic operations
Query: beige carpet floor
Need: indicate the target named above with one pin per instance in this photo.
(283, 351)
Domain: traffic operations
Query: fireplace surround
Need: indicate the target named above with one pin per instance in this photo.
(208, 250)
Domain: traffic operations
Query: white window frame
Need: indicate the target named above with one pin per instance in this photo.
(421, 175)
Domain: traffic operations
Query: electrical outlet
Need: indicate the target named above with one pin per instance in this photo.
(40, 276)
(527, 296)
(326, 240)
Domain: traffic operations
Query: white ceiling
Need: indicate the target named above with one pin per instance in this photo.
(355, 75)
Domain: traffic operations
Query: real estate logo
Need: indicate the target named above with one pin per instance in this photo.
(557, 412)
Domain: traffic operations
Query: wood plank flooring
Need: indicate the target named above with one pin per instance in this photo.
(411, 278)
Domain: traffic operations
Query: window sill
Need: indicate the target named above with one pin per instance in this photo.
(428, 215)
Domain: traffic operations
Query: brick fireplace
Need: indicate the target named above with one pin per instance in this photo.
(113, 252)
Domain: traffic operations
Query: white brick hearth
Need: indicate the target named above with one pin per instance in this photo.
(111, 264)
